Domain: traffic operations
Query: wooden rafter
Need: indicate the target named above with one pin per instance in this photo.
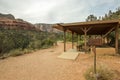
(108, 32)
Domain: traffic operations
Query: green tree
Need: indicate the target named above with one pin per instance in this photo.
(91, 18)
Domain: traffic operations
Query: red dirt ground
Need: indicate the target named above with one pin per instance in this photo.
(44, 65)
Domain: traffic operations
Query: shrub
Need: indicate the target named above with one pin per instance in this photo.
(6, 43)
(34, 44)
(103, 73)
(13, 40)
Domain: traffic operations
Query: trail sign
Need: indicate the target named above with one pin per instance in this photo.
(95, 42)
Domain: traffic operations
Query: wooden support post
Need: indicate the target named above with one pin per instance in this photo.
(116, 38)
(72, 40)
(78, 47)
(94, 51)
(102, 39)
(64, 39)
(85, 30)
(95, 71)
(77, 40)
(85, 38)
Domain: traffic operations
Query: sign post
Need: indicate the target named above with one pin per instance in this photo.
(94, 43)
(94, 51)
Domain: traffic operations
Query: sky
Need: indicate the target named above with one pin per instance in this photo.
(57, 11)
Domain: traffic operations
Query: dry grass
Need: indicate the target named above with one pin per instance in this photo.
(102, 73)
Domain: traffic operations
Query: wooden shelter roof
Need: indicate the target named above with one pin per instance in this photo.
(94, 27)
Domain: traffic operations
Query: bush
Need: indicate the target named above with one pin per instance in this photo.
(47, 43)
(6, 42)
(14, 42)
(103, 73)
(12, 39)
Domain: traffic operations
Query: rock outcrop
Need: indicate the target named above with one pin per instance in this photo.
(8, 21)
(6, 16)
(46, 27)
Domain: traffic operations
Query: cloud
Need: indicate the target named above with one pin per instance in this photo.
(54, 11)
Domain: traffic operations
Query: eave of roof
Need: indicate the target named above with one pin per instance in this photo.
(96, 25)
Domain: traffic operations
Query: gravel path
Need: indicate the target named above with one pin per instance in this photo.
(44, 65)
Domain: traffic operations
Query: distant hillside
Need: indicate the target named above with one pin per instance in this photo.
(46, 27)
(8, 21)
(7, 16)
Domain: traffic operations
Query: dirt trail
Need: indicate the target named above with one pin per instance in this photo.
(44, 65)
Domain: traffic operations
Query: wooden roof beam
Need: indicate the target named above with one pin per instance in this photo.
(109, 32)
